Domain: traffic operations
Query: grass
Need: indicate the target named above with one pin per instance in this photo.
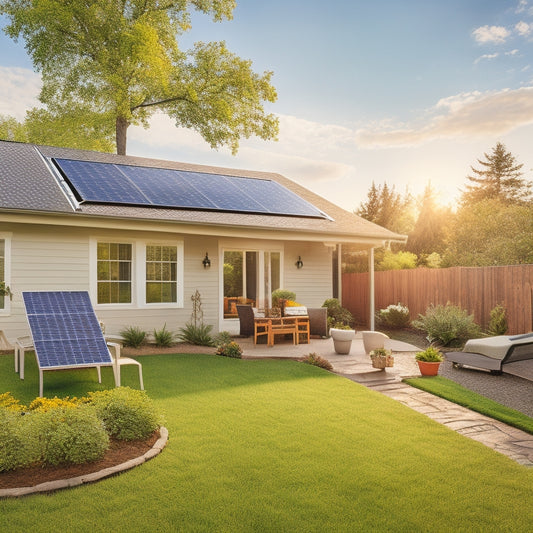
(274, 446)
(448, 389)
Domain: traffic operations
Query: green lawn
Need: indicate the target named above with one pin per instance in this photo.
(448, 389)
(273, 446)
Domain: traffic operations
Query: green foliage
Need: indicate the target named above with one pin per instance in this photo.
(222, 337)
(163, 337)
(498, 321)
(133, 336)
(430, 355)
(282, 294)
(231, 349)
(315, 360)
(394, 316)
(108, 65)
(199, 335)
(489, 233)
(71, 435)
(397, 261)
(338, 316)
(127, 414)
(500, 178)
(447, 324)
(43, 405)
(18, 439)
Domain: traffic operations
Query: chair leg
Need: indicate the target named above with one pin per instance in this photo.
(40, 383)
(141, 376)
(16, 358)
(99, 374)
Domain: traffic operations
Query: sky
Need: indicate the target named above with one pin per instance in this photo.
(409, 93)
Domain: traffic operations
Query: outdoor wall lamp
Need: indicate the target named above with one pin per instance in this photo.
(299, 263)
(206, 262)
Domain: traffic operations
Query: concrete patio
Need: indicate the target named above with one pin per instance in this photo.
(356, 366)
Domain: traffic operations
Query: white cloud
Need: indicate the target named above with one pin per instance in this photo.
(491, 34)
(521, 7)
(486, 56)
(523, 28)
(462, 116)
(19, 89)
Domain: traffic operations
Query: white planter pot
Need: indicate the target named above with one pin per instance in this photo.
(342, 340)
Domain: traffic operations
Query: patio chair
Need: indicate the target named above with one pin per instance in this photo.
(318, 321)
(246, 320)
(492, 353)
(120, 361)
(283, 326)
(373, 340)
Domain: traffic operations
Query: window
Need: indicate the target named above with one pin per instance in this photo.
(137, 273)
(114, 273)
(161, 273)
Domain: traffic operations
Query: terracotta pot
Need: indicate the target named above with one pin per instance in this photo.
(428, 369)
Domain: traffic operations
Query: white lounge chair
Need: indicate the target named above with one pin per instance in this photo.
(492, 353)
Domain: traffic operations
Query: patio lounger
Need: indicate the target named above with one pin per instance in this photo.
(492, 353)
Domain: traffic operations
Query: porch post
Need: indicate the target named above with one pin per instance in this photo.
(371, 298)
(339, 271)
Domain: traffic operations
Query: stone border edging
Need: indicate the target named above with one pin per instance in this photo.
(94, 476)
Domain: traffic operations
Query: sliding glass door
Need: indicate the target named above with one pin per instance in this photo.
(243, 272)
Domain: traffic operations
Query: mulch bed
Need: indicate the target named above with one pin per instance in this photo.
(119, 452)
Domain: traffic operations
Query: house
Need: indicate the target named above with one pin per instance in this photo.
(142, 235)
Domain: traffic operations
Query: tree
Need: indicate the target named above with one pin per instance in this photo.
(489, 233)
(499, 178)
(431, 228)
(387, 208)
(116, 62)
(11, 129)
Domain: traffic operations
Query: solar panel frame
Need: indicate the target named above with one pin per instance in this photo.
(65, 330)
(110, 183)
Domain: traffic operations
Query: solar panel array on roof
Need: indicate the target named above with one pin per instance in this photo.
(65, 330)
(110, 183)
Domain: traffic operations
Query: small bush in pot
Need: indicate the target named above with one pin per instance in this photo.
(429, 361)
(381, 358)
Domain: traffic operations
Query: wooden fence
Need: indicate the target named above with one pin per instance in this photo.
(476, 289)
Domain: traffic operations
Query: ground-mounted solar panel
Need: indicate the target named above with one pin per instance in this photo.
(110, 183)
(65, 330)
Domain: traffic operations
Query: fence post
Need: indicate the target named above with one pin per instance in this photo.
(371, 295)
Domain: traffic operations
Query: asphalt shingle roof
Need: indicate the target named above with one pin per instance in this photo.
(27, 184)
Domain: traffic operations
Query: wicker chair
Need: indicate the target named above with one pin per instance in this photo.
(246, 320)
(318, 321)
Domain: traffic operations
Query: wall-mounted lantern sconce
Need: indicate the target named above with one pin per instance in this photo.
(299, 263)
(206, 262)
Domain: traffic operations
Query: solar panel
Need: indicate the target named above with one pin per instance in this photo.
(65, 330)
(110, 183)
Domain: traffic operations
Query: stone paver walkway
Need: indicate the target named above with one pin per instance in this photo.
(356, 366)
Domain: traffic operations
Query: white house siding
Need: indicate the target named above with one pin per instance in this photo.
(58, 258)
(312, 283)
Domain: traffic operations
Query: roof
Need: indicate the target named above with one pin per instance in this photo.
(29, 186)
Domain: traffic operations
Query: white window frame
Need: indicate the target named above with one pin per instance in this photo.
(138, 273)
(6, 237)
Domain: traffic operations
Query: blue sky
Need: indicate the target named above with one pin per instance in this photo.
(404, 92)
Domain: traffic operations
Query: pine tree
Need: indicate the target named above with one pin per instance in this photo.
(500, 178)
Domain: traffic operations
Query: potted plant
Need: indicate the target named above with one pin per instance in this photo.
(429, 361)
(342, 336)
(5, 290)
(381, 358)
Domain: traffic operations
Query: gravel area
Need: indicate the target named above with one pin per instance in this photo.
(511, 391)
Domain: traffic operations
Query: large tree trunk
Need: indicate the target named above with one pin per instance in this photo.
(121, 131)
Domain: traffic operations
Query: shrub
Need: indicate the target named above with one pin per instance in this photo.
(316, 360)
(164, 337)
(394, 316)
(430, 355)
(498, 321)
(133, 336)
(18, 440)
(128, 414)
(222, 337)
(338, 316)
(199, 334)
(71, 435)
(231, 349)
(282, 294)
(11, 404)
(447, 324)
